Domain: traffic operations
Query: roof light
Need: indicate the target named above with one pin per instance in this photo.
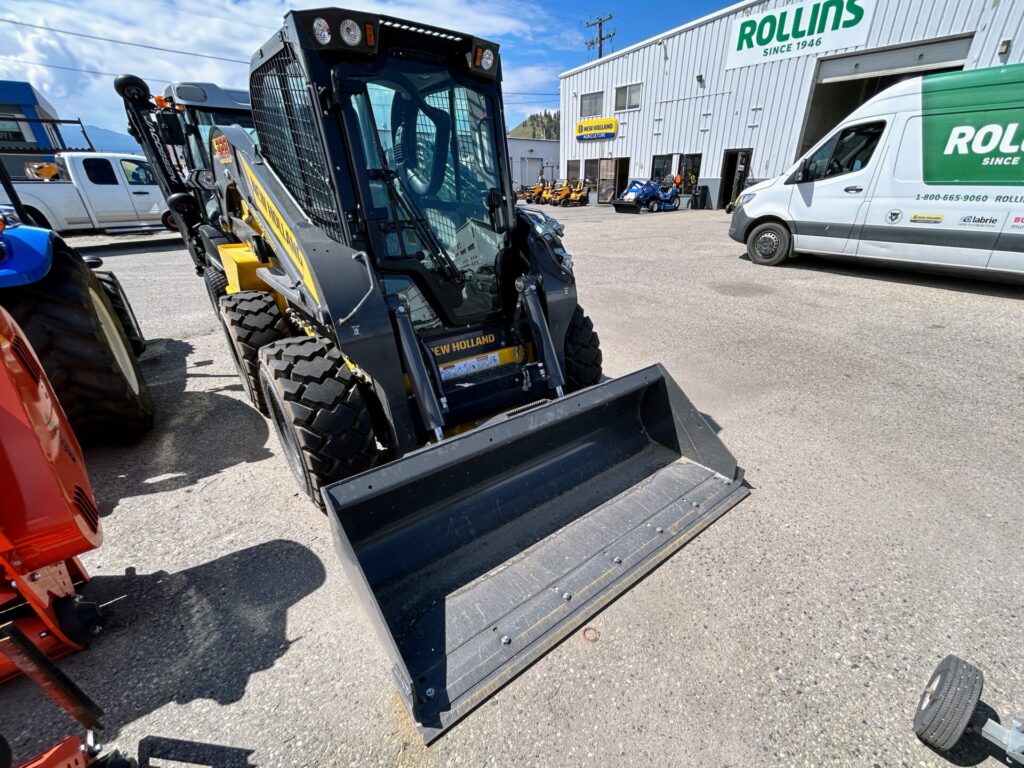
(350, 33)
(321, 30)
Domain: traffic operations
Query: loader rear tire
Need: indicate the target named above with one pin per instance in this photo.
(216, 283)
(251, 320)
(75, 331)
(582, 352)
(318, 410)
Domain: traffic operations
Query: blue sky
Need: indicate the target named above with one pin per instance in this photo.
(539, 40)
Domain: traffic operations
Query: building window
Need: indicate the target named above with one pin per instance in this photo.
(661, 166)
(572, 171)
(99, 171)
(591, 104)
(689, 169)
(627, 97)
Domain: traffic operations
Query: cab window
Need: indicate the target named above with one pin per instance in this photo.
(847, 151)
(137, 172)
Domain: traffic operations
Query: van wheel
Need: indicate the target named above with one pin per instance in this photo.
(769, 244)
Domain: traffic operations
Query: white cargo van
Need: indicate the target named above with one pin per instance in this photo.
(929, 172)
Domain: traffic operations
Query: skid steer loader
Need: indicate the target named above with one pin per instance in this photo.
(415, 338)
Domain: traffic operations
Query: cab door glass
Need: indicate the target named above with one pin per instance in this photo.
(848, 151)
(137, 173)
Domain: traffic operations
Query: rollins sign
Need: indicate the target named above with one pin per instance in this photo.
(799, 30)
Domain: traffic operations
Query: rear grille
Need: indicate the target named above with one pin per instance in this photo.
(21, 351)
(290, 139)
(87, 509)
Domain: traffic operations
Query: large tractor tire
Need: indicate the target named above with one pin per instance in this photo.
(75, 331)
(582, 352)
(251, 320)
(123, 310)
(318, 410)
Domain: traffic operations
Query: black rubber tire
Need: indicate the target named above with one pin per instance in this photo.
(216, 283)
(37, 219)
(654, 206)
(948, 703)
(125, 316)
(131, 87)
(318, 410)
(74, 330)
(251, 320)
(769, 244)
(582, 352)
(6, 757)
(168, 221)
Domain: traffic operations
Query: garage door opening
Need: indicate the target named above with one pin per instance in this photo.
(844, 83)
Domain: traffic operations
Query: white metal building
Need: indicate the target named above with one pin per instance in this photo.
(740, 94)
(531, 156)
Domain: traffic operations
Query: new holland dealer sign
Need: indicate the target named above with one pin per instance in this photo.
(799, 30)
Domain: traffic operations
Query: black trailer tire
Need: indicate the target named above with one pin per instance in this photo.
(582, 352)
(769, 244)
(75, 331)
(251, 320)
(319, 412)
(216, 283)
(948, 703)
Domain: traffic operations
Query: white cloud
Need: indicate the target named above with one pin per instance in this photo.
(232, 30)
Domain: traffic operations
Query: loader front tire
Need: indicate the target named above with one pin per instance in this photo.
(582, 352)
(251, 320)
(76, 333)
(318, 410)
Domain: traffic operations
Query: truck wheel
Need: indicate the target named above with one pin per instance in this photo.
(582, 352)
(251, 320)
(216, 283)
(318, 412)
(74, 330)
(768, 244)
(948, 703)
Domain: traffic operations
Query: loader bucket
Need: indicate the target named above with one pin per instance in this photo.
(475, 556)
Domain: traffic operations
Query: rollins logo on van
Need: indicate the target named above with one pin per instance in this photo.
(972, 129)
(799, 30)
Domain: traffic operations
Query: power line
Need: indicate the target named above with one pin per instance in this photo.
(73, 69)
(122, 42)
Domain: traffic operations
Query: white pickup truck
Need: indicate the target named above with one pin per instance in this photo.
(95, 191)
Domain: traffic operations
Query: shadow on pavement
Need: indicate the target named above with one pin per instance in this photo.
(960, 282)
(191, 753)
(972, 749)
(198, 433)
(200, 633)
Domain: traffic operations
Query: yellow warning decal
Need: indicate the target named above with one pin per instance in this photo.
(281, 230)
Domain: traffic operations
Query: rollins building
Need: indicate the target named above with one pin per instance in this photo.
(740, 94)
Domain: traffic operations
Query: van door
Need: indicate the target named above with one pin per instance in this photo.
(145, 194)
(105, 194)
(907, 220)
(832, 187)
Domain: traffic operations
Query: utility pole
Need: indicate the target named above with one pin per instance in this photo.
(601, 36)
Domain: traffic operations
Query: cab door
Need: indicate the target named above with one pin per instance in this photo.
(147, 200)
(831, 188)
(104, 192)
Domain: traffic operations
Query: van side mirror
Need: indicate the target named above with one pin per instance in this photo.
(801, 174)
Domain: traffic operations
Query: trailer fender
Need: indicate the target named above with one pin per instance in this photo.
(26, 254)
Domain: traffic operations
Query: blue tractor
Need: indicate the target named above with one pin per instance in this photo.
(652, 195)
(79, 323)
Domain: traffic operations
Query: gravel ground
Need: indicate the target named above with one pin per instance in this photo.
(877, 413)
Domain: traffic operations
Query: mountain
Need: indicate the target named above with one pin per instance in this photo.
(106, 140)
(542, 125)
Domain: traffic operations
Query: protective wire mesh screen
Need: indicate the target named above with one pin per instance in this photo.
(289, 139)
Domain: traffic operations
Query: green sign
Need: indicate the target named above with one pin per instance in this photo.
(799, 30)
(973, 128)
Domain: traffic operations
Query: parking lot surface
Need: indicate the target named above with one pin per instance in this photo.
(878, 414)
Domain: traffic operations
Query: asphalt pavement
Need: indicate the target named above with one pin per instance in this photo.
(878, 415)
